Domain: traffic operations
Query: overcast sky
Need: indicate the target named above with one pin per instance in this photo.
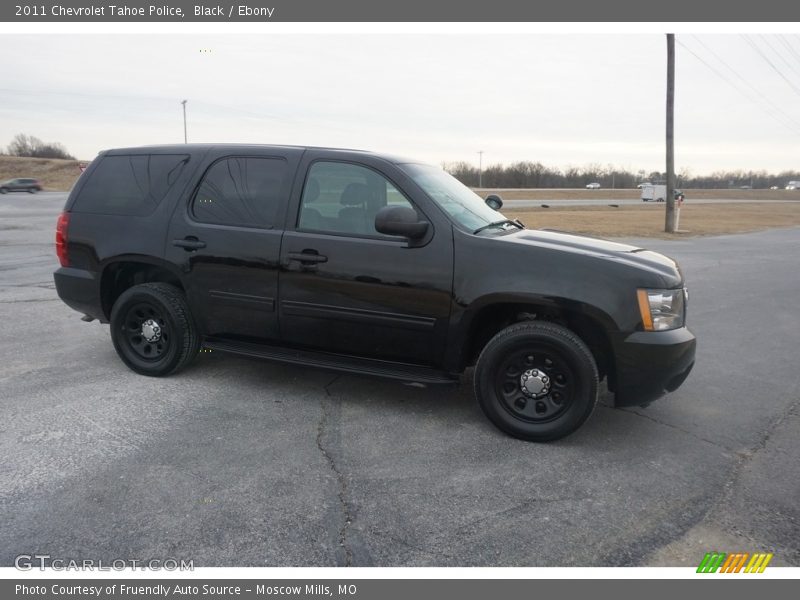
(562, 100)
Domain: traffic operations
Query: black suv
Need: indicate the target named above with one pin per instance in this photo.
(20, 185)
(369, 264)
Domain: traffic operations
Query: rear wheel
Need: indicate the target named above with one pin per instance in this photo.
(536, 381)
(152, 329)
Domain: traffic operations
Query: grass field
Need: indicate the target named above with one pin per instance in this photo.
(621, 194)
(647, 220)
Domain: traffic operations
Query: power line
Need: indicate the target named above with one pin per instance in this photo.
(780, 55)
(792, 50)
(749, 84)
(771, 64)
(785, 122)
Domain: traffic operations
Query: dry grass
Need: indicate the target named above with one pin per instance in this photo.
(620, 194)
(55, 175)
(647, 220)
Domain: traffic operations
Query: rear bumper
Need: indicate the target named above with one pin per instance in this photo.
(650, 364)
(80, 290)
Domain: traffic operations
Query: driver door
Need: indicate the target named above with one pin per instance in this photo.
(347, 289)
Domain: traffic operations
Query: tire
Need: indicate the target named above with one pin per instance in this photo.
(3, 191)
(32, 190)
(561, 392)
(158, 310)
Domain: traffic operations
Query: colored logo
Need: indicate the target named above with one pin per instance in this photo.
(734, 562)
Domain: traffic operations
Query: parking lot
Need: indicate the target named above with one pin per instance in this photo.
(236, 462)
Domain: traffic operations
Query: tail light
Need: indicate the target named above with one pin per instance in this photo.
(61, 239)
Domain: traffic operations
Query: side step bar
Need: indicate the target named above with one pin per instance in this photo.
(333, 362)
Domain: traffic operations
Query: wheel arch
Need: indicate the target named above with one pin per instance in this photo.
(124, 272)
(494, 314)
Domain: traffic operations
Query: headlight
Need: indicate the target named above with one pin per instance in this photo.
(662, 309)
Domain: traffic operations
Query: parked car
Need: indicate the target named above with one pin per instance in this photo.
(21, 185)
(774, 187)
(365, 263)
(593, 186)
(793, 185)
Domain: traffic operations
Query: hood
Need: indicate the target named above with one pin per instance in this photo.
(602, 249)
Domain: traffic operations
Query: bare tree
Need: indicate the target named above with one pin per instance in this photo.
(31, 146)
(23, 145)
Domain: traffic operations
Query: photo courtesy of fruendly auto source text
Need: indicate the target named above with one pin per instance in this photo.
(359, 300)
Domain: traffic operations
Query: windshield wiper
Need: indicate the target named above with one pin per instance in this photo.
(497, 224)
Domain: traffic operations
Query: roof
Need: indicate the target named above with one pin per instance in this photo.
(184, 148)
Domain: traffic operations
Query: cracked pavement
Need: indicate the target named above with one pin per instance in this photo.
(237, 462)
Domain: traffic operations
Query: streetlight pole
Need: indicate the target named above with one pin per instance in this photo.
(480, 168)
(185, 139)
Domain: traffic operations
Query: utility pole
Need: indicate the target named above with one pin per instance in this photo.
(480, 168)
(185, 139)
(669, 220)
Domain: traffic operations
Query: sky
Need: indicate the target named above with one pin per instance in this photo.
(562, 99)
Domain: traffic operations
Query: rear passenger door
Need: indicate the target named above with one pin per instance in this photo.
(226, 240)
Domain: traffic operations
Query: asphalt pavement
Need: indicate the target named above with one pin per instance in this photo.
(237, 462)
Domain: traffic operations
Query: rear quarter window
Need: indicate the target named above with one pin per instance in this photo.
(131, 185)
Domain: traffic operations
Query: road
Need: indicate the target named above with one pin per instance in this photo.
(628, 201)
(235, 462)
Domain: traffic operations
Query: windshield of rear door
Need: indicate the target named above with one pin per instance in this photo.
(462, 204)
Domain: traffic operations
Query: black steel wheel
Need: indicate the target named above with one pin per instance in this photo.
(536, 381)
(152, 329)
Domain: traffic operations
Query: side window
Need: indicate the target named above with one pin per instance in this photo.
(243, 191)
(344, 198)
(130, 185)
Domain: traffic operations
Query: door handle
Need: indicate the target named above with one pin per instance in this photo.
(189, 243)
(307, 257)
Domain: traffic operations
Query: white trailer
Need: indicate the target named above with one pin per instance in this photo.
(654, 193)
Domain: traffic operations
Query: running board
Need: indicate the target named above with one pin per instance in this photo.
(333, 362)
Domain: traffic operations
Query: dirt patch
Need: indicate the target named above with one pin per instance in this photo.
(647, 220)
(55, 175)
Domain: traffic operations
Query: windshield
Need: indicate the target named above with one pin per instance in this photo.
(461, 203)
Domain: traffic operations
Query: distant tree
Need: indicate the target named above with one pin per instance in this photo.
(31, 146)
(23, 145)
(52, 150)
(526, 174)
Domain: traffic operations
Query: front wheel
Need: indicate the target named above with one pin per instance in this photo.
(536, 381)
(3, 190)
(152, 329)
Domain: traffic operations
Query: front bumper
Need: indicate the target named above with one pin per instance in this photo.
(651, 363)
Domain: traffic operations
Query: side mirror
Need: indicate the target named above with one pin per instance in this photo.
(401, 221)
(494, 201)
